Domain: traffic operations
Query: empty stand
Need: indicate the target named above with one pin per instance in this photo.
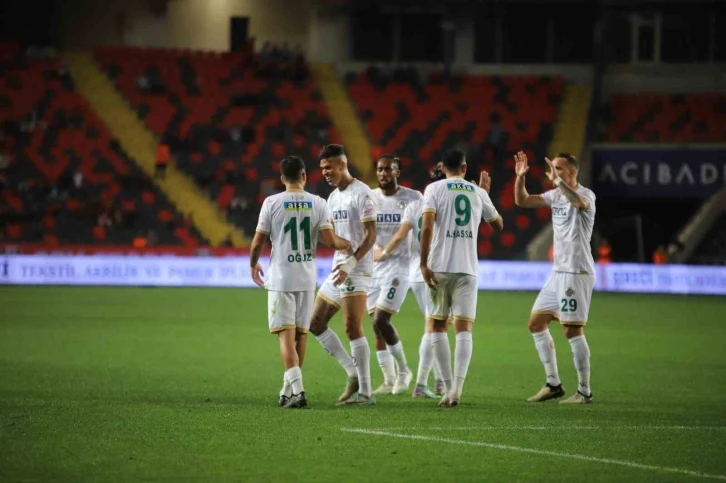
(228, 118)
(665, 118)
(712, 249)
(490, 117)
(64, 178)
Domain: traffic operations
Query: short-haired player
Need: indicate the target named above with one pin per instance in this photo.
(293, 220)
(567, 293)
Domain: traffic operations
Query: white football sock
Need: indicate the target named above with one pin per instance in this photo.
(546, 349)
(362, 357)
(462, 358)
(437, 372)
(286, 387)
(425, 360)
(331, 343)
(581, 356)
(442, 355)
(294, 376)
(397, 353)
(385, 360)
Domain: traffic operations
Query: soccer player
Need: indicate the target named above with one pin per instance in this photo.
(292, 220)
(353, 214)
(390, 275)
(567, 293)
(452, 211)
(412, 218)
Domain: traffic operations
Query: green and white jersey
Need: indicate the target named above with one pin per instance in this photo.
(459, 206)
(348, 210)
(389, 216)
(413, 216)
(293, 220)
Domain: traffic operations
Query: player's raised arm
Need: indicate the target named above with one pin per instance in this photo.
(572, 196)
(489, 213)
(521, 197)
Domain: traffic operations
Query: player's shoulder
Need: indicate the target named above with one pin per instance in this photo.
(583, 190)
(436, 186)
(362, 188)
(410, 194)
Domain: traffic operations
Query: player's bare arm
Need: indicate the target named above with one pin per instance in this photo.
(427, 236)
(331, 240)
(521, 197)
(258, 243)
(575, 199)
(369, 238)
(485, 183)
(396, 240)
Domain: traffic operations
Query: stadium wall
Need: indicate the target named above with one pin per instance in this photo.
(174, 271)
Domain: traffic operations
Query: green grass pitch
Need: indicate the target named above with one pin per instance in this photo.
(126, 384)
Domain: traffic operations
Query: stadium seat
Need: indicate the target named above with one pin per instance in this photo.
(226, 117)
(65, 170)
(664, 118)
(419, 118)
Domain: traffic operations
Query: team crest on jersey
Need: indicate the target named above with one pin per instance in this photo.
(395, 282)
(298, 205)
(459, 186)
(348, 282)
(569, 292)
(402, 204)
(340, 215)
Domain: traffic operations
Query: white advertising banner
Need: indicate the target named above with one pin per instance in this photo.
(174, 271)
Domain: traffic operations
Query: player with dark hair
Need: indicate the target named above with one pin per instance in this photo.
(567, 293)
(353, 214)
(390, 275)
(292, 220)
(410, 233)
(453, 209)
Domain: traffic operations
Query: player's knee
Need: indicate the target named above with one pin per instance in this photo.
(439, 325)
(573, 331)
(318, 324)
(382, 321)
(537, 324)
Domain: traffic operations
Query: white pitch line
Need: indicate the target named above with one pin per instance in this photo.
(544, 428)
(609, 461)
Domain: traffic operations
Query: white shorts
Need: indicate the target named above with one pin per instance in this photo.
(421, 295)
(353, 285)
(290, 310)
(566, 296)
(456, 294)
(387, 293)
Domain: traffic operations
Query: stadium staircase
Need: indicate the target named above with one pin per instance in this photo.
(569, 136)
(344, 116)
(141, 146)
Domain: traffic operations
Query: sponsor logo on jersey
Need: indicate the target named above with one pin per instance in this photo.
(388, 218)
(560, 211)
(339, 215)
(369, 207)
(298, 205)
(459, 186)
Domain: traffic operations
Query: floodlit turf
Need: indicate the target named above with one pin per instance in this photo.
(115, 384)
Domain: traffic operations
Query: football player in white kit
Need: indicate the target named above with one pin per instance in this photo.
(390, 275)
(292, 219)
(412, 218)
(567, 293)
(453, 209)
(353, 214)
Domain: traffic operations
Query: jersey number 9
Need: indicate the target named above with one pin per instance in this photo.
(462, 205)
